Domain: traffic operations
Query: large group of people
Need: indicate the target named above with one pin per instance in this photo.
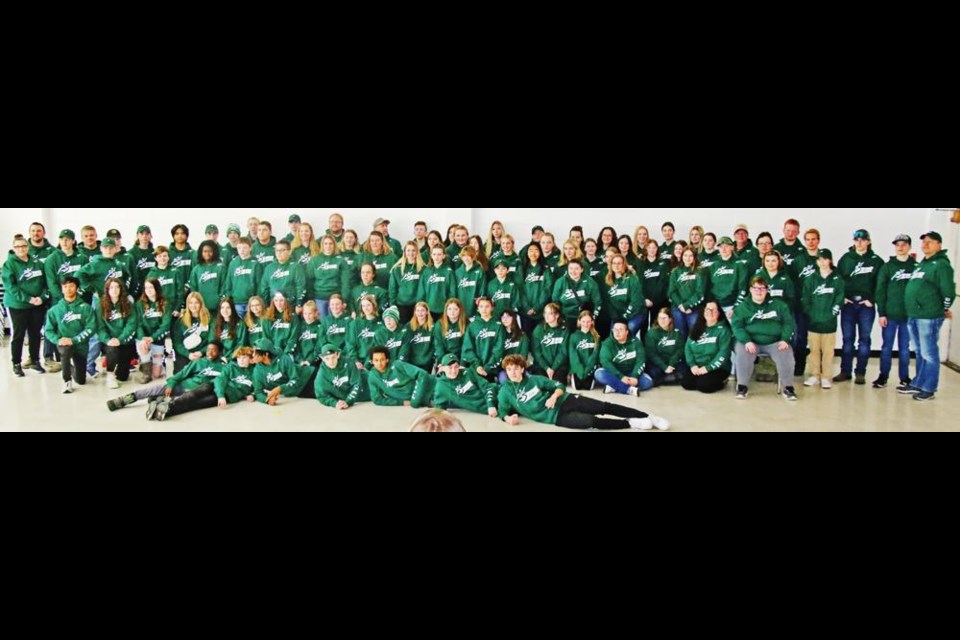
(459, 321)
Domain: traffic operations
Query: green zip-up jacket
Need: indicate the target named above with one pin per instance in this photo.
(687, 289)
(624, 299)
(483, 345)
(361, 291)
(537, 290)
(181, 333)
(437, 285)
(712, 350)
(362, 338)
(198, 372)
(152, 323)
(284, 278)
(208, 281)
(892, 284)
(417, 348)
(282, 372)
(324, 277)
(404, 285)
(59, 266)
(308, 342)
(505, 295)
(727, 281)
(234, 384)
(23, 280)
(230, 345)
(528, 399)
(400, 383)
(117, 326)
(182, 261)
(656, 282)
(243, 280)
(281, 333)
(336, 330)
(75, 320)
(822, 301)
(519, 347)
(625, 360)
(931, 291)
(346, 383)
(470, 286)
(550, 346)
(383, 264)
(574, 297)
(664, 349)
(392, 340)
(764, 324)
(860, 274)
(450, 341)
(93, 277)
(468, 391)
(583, 354)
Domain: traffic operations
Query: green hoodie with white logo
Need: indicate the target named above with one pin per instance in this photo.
(417, 347)
(230, 343)
(574, 297)
(627, 360)
(172, 285)
(392, 340)
(181, 332)
(931, 291)
(59, 266)
(711, 350)
(823, 300)
(470, 286)
(242, 280)
(468, 391)
(483, 345)
(583, 354)
(437, 285)
(324, 277)
(624, 299)
(198, 372)
(153, 323)
(75, 320)
(449, 341)
(22, 281)
(287, 279)
(404, 284)
(93, 277)
(400, 383)
(727, 281)
(665, 349)
(234, 384)
(505, 295)
(345, 383)
(688, 288)
(308, 342)
(361, 339)
(208, 281)
(337, 330)
(764, 324)
(860, 274)
(551, 347)
(892, 284)
(117, 326)
(281, 372)
(528, 399)
(536, 290)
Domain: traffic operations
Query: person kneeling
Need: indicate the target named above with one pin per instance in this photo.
(465, 389)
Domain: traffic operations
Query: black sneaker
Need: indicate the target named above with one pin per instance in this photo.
(907, 390)
(742, 393)
(790, 394)
(38, 368)
(18, 371)
(861, 380)
(843, 377)
(923, 396)
(880, 383)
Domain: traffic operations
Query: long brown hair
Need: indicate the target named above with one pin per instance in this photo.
(271, 313)
(161, 301)
(249, 319)
(233, 319)
(445, 321)
(106, 305)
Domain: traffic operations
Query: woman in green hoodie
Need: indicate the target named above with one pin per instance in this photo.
(117, 329)
(368, 287)
(281, 325)
(228, 329)
(25, 294)
(536, 290)
(623, 295)
(191, 332)
(823, 295)
(471, 281)
(708, 350)
(378, 253)
(170, 281)
(391, 334)
(551, 357)
(483, 345)
(665, 351)
(207, 277)
(417, 346)
(362, 335)
(584, 353)
(575, 292)
(449, 332)
(325, 275)
(516, 342)
(781, 284)
(438, 283)
(688, 288)
(503, 289)
(405, 281)
(154, 321)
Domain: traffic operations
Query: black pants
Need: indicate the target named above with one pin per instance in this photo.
(309, 391)
(559, 375)
(583, 384)
(74, 364)
(119, 359)
(583, 413)
(27, 322)
(203, 397)
(710, 383)
(406, 313)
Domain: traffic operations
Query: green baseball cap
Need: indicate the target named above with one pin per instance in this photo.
(727, 240)
(212, 228)
(263, 345)
(144, 229)
(109, 242)
(329, 350)
(294, 218)
(449, 359)
(67, 233)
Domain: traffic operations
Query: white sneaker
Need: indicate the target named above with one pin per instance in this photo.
(68, 387)
(634, 391)
(812, 381)
(660, 424)
(609, 390)
(826, 384)
(112, 381)
(641, 424)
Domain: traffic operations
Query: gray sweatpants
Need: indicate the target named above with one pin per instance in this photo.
(152, 393)
(784, 360)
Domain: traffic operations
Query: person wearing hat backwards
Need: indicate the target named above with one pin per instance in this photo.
(294, 221)
(142, 260)
(277, 375)
(398, 384)
(860, 270)
(821, 300)
(892, 311)
(460, 388)
(503, 290)
(930, 294)
(65, 261)
(70, 324)
(763, 325)
(339, 386)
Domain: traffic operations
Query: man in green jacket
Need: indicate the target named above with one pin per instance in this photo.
(860, 270)
(930, 294)
(892, 310)
(460, 388)
(340, 385)
(763, 325)
(398, 384)
(26, 296)
(70, 325)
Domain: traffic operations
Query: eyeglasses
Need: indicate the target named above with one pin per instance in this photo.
(19, 246)
(758, 289)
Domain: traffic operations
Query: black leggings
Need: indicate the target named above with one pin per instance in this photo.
(583, 384)
(74, 364)
(203, 397)
(559, 375)
(309, 391)
(578, 412)
(119, 359)
(710, 383)
(27, 322)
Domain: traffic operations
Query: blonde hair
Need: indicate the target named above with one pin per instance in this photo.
(387, 249)
(187, 317)
(419, 264)
(437, 421)
(593, 332)
(314, 246)
(415, 324)
(490, 239)
(310, 304)
(372, 299)
(250, 321)
(577, 253)
(637, 249)
(271, 313)
(445, 321)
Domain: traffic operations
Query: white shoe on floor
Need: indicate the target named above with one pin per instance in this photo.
(634, 391)
(660, 424)
(609, 390)
(112, 381)
(826, 384)
(68, 387)
(641, 424)
(812, 381)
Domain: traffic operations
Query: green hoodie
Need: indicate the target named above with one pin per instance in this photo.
(687, 289)
(208, 281)
(308, 342)
(43, 252)
(361, 291)
(228, 253)
(182, 261)
(383, 264)
(764, 324)
(287, 279)
(89, 254)
(822, 301)
(351, 270)
(550, 346)
(750, 257)
(656, 282)
(324, 277)
(117, 326)
(449, 342)
(468, 391)
(59, 266)
(437, 285)
(346, 383)
(860, 274)
(470, 286)
(536, 292)
(23, 280)
(281, 372)
(519, 347)
(528, 399)
(707, 260)
(75, 320)
(505, 295)
(513, 261)
(400, 383)
(392, 340)
(234, 384)
(198, 372)
(667, 249)
(141, 262)
(892, 288)
(172, 285)
(628, 359)
(453, 256)
(336, 330)
(583, 354)
(362, 338)
(805, 266)
(624, 299)
(93, 277)
(181, 333)
(282, 333)
(151, 323)
(264, 254)
(790, 253)
(574, 297)
(483, 345)
(727, 281)
(932, 291)
(665, 349)
(404, 284)
(243, 280)
(417, 347)
(230, 345)
(712, 350)
(597, 270)
(781, 287)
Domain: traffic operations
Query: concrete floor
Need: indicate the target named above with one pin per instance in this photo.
(36, 404)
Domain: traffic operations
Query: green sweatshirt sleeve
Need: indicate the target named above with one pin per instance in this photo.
(561, 357)
(883, 283)
(947, 286)
(653, 353)
(595, 297)
(739, 325)
(725, 347)
(378, 393)
(506, 403)
(129, 332)
(185, 374)
(789, 323)
(641, 363)
(677, 357)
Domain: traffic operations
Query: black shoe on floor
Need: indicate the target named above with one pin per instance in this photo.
(38, 368)
(880, 383)
(843, 377)
(861, 380)
(790, 394)
(923, 396)
(742, 393)
(18, 371)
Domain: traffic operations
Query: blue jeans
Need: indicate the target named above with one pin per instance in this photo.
(323, 306)
(634, 324)
(925, 336)
(93, 354)
(898, 331)
(242, 309)
(855, 319)
(608, 379)
(684, 322)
